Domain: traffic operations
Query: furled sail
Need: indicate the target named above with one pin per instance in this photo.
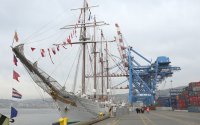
(43, 80)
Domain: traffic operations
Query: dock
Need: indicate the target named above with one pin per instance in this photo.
(155, 118)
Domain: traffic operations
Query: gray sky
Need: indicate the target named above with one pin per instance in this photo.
(154, 28)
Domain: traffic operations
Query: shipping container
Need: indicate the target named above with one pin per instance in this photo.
(163, 101)
(194, 109)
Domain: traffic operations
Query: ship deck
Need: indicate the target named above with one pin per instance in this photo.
(155, 118)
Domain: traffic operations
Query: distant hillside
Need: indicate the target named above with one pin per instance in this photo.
(32, 103)
(49, 103)
(165, 92)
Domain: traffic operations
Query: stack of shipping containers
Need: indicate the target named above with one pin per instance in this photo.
(183, 99)
(163, 102)
(194, 97)
(174, 97)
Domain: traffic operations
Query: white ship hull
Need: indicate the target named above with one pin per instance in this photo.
(86, 109)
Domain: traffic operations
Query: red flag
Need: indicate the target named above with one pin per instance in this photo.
(42, 52)
(16, 75)
(16, 37)
(32, 48)
(69, 40)
(58, 48)
(53, 50)
(50, 55)
(15, 60)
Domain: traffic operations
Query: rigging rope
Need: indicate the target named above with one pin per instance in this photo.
(45, 25)
(90, 60)
(72, 67)
(76, 73)
(116, 63)
(119, 84)
(43, 39)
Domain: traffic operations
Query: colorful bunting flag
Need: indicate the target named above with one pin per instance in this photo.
(69, 40)
(4, 120)
(16, 37)
(42, 51)
(58, 48)
(50, 55)
(53, 50)
(16, 94)
(32, 48)
(16, 75)
(13, 112)
(15, 60)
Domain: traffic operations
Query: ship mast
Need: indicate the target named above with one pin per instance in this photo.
(101, 60)
(84, 44)
(83, 40)
(95, 55)
(107, 68)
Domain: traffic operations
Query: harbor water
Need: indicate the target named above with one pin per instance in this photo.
(34, 116)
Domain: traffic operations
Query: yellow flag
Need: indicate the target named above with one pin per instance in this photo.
(4, 120)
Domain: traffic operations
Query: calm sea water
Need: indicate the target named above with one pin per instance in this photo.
(34, 116)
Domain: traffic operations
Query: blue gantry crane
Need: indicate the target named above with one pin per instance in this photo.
(143, 77)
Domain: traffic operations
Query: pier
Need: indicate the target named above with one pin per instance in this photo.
(155, 118)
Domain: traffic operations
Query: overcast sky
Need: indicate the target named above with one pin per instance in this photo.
(154, 28)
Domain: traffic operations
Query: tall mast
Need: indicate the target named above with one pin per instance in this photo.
(101, 58)
(95, 55)
(107, 67)
(84, 39)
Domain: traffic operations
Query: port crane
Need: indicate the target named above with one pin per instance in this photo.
(143, 78)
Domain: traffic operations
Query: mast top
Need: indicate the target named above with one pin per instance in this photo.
(84, 8)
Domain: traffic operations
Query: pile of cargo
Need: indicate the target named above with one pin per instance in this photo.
(183, 99)
(187, 98)
(163, 102)
(194, 97)
(174, 98)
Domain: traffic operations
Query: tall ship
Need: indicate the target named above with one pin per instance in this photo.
(93, 66)
(77, 105)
